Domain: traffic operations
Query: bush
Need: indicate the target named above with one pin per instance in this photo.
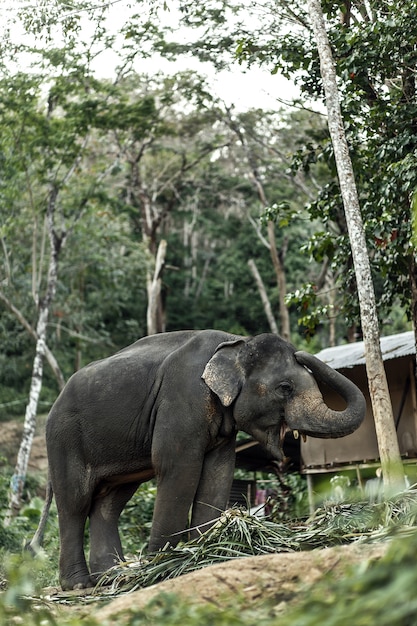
(14, 537)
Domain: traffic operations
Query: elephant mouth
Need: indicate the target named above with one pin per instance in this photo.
(275, 438)
(284, 429)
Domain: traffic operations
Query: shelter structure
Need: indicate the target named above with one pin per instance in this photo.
(359, 451)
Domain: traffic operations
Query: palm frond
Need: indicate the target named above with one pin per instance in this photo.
(237, 533)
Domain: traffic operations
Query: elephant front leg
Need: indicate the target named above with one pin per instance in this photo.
(214, 487)
(105, 545)
(175, 495)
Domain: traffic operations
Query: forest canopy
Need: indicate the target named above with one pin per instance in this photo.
(152, 194)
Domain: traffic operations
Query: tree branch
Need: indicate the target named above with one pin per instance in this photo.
(48, 354)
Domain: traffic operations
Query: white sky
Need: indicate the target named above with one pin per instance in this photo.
(245, 88)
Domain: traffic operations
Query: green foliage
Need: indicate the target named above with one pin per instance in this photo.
(375, 59)
(99, 306)
(100, 303)
(280, 213)
(359, 594)
(134, 161)
(373, 63)
(237, 533)
(287, 498)
(16, 600)
(311, 310)
(21, 601)
(381, 593)
(136, 519)
(11, 536)
(15, 565)
(48, 164)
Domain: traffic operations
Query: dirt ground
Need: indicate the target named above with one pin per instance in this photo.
(279, 578)
(10, 437)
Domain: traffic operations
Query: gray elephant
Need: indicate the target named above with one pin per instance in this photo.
(169, 406)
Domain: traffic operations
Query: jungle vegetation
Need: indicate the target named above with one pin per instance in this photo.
(133, 202)
(125, 162)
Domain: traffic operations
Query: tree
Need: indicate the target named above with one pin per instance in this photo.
(264, 296)
(260, 143)
(375, 64)
(49, 145)
(277, 256)
(393, 472)
(19, 476)
(158, 157)
(223, 208)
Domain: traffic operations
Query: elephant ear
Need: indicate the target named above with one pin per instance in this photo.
(223, 374)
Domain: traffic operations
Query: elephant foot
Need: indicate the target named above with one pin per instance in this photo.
(99, 565)
(76, 584)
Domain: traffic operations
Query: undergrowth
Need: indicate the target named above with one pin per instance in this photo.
(380, 592)
(237, 533)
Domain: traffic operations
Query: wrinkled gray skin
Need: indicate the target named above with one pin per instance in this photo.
(170, 406)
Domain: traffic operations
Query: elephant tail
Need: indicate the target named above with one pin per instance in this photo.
(36, 543)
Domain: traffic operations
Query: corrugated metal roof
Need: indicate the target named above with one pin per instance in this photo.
(351, 354)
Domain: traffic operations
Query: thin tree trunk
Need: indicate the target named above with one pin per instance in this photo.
(278, 263)
(204, 274)
(264, 297)
(331, 299)
(393, 471)
(19, 476)
(153, 316)
(278, 258)
(53, 364)
(413, 285)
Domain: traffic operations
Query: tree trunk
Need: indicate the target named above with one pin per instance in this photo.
(53, 364)
(393, 471)
(279, 267)
(264, 297)
(413, 285)
(278, 258)
(154, 316)
(19, 476)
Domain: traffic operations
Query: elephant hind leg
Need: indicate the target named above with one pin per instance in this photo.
(72, 487)
(105, 545)
(73, 571)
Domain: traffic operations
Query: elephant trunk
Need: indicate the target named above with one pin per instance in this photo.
(322, 421)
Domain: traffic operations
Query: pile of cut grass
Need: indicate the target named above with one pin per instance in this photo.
(237, 533)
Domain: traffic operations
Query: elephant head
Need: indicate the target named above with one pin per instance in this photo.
(270, 389)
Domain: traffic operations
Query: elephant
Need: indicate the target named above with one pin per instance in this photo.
(169, 406)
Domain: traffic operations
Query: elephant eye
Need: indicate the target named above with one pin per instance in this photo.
(285, 388)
